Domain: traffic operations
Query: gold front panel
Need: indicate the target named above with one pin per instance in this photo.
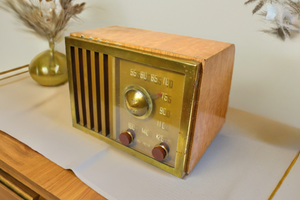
(163, 123)
(144, 99)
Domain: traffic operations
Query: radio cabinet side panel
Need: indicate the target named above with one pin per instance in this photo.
(212, 103)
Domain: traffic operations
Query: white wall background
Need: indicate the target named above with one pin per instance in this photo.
(266, 79)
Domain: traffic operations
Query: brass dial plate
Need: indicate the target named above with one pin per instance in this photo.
(163, 123)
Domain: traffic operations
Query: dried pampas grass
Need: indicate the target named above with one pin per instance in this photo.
(284, 16)
(46, 18)
(260, 4)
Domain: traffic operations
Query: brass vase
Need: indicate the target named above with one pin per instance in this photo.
(49, 68)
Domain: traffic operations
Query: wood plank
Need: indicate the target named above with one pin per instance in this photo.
(18, 187)
(40, 174)
(7, 194)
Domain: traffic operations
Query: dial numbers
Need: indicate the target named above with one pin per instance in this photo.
(163, 124)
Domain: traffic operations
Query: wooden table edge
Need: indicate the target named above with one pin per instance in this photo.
(39, 173)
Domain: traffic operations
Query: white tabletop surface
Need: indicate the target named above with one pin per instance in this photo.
(246, 160)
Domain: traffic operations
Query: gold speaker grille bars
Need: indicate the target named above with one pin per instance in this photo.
(89, 82)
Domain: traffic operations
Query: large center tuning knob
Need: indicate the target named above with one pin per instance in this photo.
(138, 101)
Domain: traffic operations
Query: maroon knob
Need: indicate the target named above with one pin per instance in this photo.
(126, 137)
(160, 152)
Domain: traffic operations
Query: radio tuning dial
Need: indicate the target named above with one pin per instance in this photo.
(138, 101)
(126, 137)
(160, 151)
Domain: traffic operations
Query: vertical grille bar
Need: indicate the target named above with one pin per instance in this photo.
(91, 83)
(75, 95)
(78, 86)
(109, 100)
(89, 70)
(103, 86)
(95, 90)
(86, 89)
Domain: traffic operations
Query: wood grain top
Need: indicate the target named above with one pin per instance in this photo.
(156, 42)
(40, 174)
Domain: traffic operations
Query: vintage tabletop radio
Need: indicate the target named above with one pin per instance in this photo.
(157, 96)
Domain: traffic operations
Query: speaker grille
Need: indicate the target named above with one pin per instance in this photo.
(90, 84)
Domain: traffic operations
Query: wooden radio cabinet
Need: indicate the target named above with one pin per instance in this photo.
(160, 97)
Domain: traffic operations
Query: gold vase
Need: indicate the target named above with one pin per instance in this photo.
(49, 68)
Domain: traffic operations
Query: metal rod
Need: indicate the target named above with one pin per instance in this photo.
(1, 79)
(15, 69)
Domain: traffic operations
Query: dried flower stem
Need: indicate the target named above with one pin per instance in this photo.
(42, 16)
(283, 14)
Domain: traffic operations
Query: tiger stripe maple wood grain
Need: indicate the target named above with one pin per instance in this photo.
(40, 174)
(212, 103)
(156, 42)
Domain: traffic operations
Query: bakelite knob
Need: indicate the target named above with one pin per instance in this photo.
(126, 137)
(160, 151)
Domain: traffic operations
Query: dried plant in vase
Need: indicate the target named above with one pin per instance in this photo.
(47, 19)
(284, 16)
